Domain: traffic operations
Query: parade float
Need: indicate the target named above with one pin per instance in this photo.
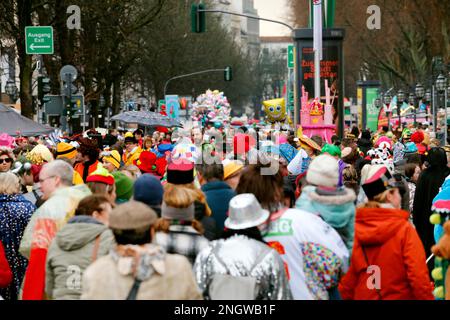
(275, 111)
(211, 107)
(317, 118)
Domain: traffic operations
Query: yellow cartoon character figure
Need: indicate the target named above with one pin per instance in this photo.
(275, 110)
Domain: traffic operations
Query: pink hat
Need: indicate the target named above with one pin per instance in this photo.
(6, 140)
(384, 142)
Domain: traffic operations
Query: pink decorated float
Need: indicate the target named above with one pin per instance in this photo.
(317, 118)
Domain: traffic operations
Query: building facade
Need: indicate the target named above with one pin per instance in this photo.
(244, 30)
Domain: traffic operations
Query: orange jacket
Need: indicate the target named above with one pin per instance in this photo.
(85, 169)
(393, 246)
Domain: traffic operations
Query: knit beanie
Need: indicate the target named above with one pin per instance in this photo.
(172, 213)
(323, 171)
(65, 150)
(112, 157)
(101, 175)
(124, 186)
(148, 189)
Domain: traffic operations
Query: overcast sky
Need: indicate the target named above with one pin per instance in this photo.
(276, 10)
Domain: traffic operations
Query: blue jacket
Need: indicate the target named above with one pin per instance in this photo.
(337, 211)
(218, 196)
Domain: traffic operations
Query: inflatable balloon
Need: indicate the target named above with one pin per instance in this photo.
(275, 110)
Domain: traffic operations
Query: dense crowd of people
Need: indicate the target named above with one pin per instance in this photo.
(224, 213)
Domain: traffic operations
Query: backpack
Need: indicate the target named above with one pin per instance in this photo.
(228, 287)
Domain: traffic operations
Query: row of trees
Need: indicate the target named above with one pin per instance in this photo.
(401, 53)
(124, 44)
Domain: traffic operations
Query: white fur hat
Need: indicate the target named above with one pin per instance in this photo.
(323, 171)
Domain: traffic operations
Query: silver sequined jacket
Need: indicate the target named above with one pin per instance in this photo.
(239, 253)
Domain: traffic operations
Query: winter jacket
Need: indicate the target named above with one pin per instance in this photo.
(392, 245)
(314, 254)
(85, 169)
(338, 211)
(182, 239)
(40, 232)
(15, 214)
(218, 196)
(430, 180)
(129, 158)
(5, 270)
(209, 224)
(244, 257)
(80, 242)
(173, 280)
(35, 195)
(364, 144)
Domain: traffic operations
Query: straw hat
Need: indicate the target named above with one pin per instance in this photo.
(230, 167)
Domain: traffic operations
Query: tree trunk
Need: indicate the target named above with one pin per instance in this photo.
(24, 19)
(116, 96)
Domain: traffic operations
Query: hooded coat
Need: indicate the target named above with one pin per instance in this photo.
(163, 277)
(218, 195)
(75, 247)
(40, 232)
(392, 246)
(430, 180)
(338, 211)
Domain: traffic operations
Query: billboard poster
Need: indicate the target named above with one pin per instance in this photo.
(329, 70)
(372, 111)
(173, 106)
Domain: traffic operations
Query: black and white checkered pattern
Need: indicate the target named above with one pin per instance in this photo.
(184, 240)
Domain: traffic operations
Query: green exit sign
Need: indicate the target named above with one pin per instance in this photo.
(39, 40)
(290, 59)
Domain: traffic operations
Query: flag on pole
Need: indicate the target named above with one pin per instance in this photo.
(318, 26)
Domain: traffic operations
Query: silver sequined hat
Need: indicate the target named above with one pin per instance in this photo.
(245, 212)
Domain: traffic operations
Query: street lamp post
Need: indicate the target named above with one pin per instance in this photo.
(420, 92)
(387, 101)
(411, 100)
(428, 100)
(441, 84)
(400, 99)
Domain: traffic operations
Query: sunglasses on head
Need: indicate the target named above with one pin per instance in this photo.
(7, 160)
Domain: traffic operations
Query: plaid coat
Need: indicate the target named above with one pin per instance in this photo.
(184, 240)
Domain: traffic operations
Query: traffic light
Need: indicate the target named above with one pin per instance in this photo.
(228, 74)
(44, 88)
(198, 18)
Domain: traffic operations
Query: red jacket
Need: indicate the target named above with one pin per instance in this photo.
(5, 270)
(392, 245)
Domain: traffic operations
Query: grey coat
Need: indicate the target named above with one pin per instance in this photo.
(71, 252)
